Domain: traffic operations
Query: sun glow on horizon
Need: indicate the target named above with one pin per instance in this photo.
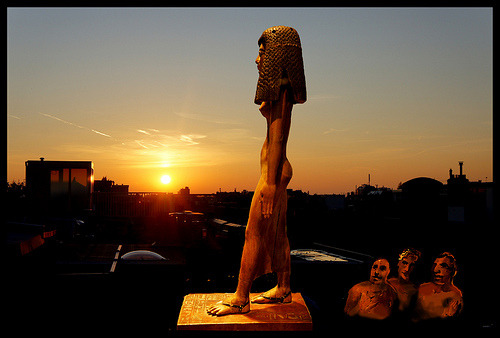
(166, 179)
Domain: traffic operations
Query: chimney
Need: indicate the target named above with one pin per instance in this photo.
(461, 163)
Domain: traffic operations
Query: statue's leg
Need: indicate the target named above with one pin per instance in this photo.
(239, 301)
(281, 293)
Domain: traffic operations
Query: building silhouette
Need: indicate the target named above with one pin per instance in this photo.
(59, 188)
(201, 237)
(106, 185)
(468, 201)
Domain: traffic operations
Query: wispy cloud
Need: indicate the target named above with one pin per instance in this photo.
(462, 144)
(61, 120)
(207, 118)
(333, 130)
(155, 138)
(141, 144)
(143, 147)
(98, 132)
(164, 150)
(74, 124)
(190, 139)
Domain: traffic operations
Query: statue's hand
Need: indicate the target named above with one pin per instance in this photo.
(267, 196)
(265, 109)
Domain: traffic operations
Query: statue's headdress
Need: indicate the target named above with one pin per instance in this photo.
(282, 58)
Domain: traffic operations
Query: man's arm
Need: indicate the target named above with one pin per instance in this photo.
(352, 304)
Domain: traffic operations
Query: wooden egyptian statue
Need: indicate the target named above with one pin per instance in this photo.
(281, 84)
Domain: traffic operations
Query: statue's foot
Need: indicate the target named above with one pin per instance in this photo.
(229, 306)
(273, 296)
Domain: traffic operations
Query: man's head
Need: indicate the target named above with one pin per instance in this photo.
(379, 272)
(444, 269)
(280, 54)
(406, 263)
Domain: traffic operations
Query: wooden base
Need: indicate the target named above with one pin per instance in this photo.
(293, 316)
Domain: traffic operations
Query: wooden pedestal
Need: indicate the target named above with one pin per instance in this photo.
(262, 317)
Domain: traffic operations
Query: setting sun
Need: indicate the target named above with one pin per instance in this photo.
(165, 179)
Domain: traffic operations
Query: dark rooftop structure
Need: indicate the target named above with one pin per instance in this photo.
(59, 187)
(137, 254)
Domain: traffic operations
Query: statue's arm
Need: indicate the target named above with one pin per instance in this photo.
(277, 138)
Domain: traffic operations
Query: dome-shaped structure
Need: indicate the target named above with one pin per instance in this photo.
(143, 255)
(422, 183)
(423, 200)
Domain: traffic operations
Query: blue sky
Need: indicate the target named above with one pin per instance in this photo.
(392, 92)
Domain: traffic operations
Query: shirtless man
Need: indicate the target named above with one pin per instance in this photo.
(281, 85)
(374, 298)
(439, 298)
(403, 284)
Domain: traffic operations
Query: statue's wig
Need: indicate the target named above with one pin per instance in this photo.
(282, 59)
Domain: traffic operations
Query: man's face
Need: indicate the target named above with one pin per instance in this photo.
(442, 271)
(405, 267)
(379, 272)
(260, 58)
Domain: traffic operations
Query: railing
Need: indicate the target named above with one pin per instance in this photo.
(135, 204)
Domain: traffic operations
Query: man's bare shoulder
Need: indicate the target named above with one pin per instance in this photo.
(456, 291)
(431, 288)
(427, 286)
(361, 286)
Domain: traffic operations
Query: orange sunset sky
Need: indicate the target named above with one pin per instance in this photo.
(396, 93)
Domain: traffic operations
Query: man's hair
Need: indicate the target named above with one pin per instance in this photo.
(408, 252)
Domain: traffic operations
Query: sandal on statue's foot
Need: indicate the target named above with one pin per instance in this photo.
(263, 299)
(222, 309)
